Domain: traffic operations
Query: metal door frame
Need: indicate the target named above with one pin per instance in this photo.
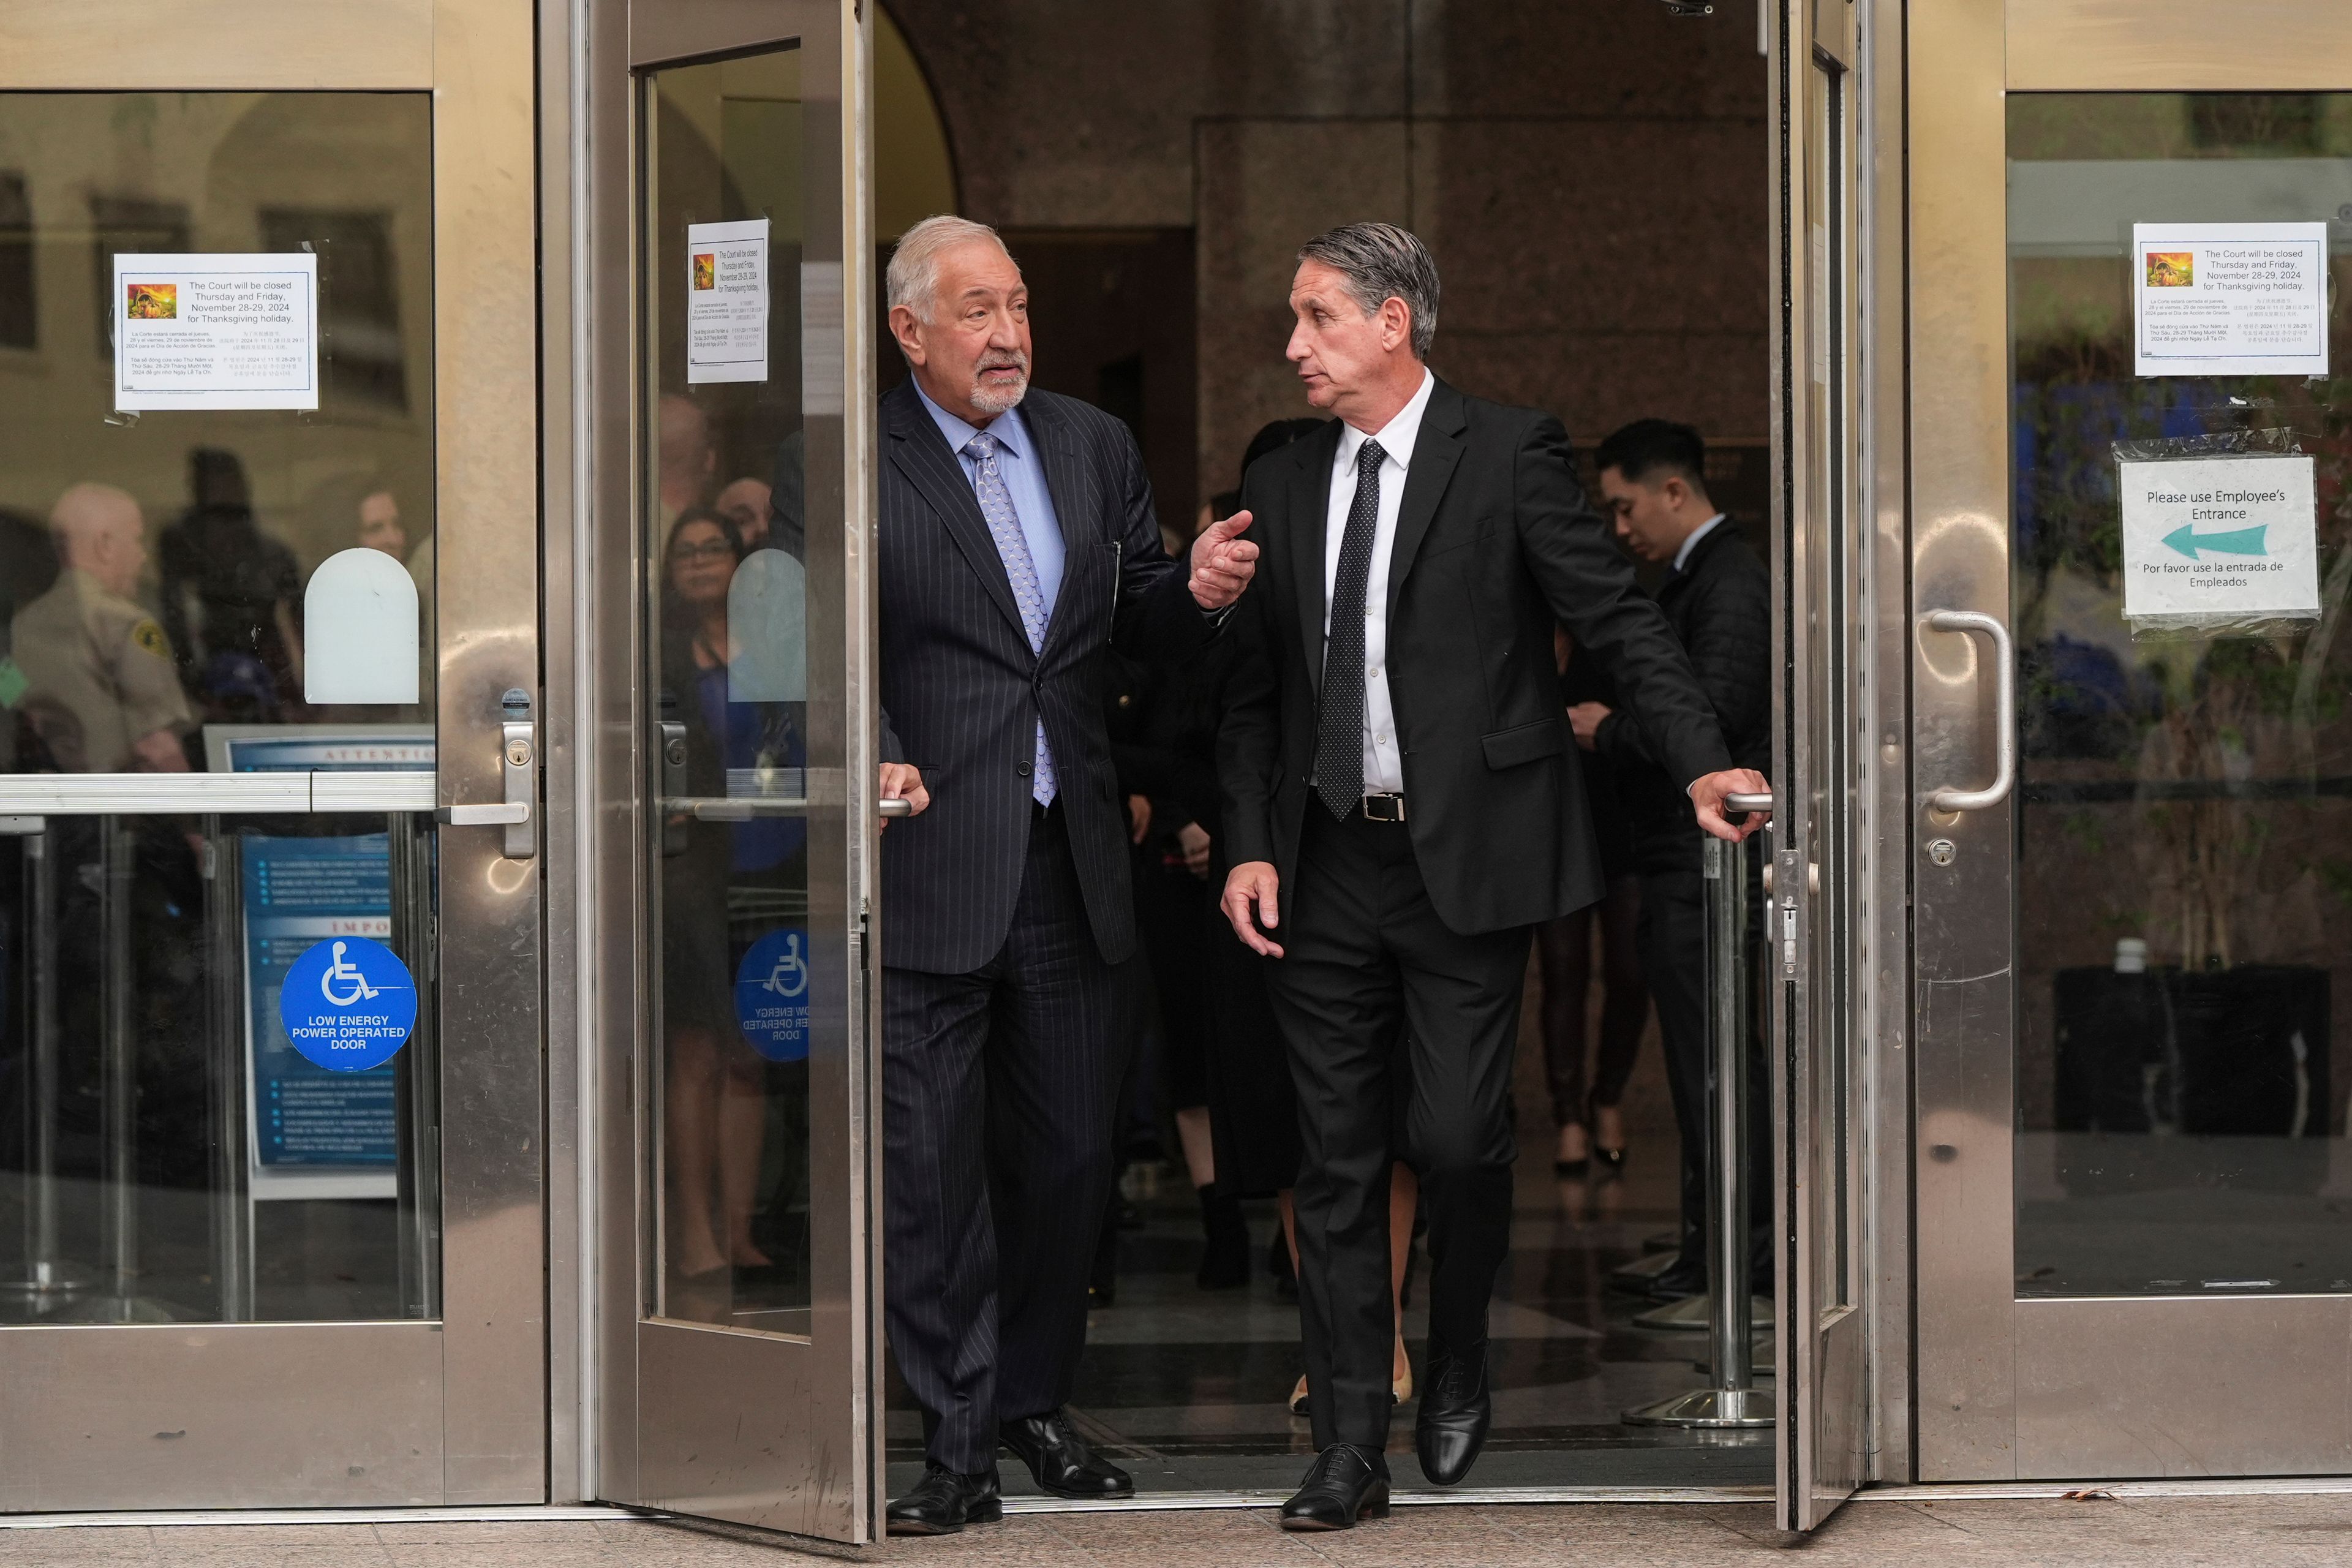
(457, 1407)
(2085, 1386)
(816, 1466)
(1845, 1366)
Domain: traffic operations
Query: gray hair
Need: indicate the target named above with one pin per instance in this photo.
(913, 278)
(1383, 262)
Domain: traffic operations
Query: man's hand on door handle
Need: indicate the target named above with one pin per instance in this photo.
(904, 781)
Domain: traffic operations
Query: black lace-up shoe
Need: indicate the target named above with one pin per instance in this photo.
(1344, 1484)
(1060, 1458)
(1455, 1411)
(943, 1503)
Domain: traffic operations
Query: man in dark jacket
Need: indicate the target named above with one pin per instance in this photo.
(1015, 542)
(1653, 476)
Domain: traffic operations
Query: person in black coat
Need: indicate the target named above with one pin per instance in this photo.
(1405, 807)
(1716, 598)
(1584, 1107)
(1014, 542)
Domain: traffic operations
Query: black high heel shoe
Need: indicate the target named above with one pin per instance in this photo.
(1611, 1161)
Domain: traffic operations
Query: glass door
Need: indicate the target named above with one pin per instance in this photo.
(2132, 1255)
(1815, 948)
(269, 901)
(748, 1375)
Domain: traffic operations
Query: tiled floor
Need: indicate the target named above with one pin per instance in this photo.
(1187, 1388)
(2288, 1531)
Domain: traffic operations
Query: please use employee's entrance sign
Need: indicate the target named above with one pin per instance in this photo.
(2215, 541)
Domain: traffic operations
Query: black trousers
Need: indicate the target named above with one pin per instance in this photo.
(1365, 960)
(1674, 964)
(997, 1091)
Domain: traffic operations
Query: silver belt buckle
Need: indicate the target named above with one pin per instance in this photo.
(1384, 808)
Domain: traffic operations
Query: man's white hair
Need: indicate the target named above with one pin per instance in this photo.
(913, 279)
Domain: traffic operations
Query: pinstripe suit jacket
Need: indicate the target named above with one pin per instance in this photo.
(963, 693)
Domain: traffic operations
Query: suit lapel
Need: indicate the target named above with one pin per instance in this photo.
(1311, 515)
(1056, 451)
(1434, 453)
(921, 454)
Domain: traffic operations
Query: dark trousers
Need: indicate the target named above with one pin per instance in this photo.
(997, 1090)
(1366, 959)
(1674, 966)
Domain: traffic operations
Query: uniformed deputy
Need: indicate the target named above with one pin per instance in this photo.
(99, 686)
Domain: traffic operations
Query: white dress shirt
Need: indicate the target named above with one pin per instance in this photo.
(1691, 543)
(1383, 765)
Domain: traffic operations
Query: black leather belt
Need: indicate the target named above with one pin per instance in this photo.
(1384, 808)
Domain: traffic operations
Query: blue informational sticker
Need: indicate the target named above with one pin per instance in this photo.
(772, 995)
(348, 1003)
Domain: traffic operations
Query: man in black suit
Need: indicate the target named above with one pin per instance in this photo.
(1716, 598)
(1015, 542)
(1403, 804)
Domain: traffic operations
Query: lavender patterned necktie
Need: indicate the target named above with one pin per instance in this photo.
(1013, 545)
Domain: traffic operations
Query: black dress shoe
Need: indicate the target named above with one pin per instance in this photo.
(1455, 1412)
(1683, 1278)
(1060, 1458)
(1343, 1484)
(943, 1503)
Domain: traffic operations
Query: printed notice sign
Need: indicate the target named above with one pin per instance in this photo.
(2230, 299)
(2214, 540)
(216, 331)
(727, 300)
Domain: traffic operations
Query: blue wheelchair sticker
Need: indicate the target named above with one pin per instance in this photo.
(772, 995)
(348, 1003)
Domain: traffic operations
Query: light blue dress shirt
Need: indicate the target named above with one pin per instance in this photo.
(1024, 478)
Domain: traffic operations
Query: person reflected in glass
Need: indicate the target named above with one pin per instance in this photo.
(232, 599)
(379, 526)
(714, 1102)
(746, 503)
(101, 691)
(686, 459)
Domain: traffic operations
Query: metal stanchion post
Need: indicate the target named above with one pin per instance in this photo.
(1732, 1398)
(47, 1280)
(118, 1065)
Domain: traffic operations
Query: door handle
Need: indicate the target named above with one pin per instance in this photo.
(501, 815)
(893, 808)
(519, 770)
(673, 784)
(2004, 711)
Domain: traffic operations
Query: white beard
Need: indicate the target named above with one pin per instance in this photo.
(994, 399)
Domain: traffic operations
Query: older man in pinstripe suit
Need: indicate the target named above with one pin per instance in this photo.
(1016, 544)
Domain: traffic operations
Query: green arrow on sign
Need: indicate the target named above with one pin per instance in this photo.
(2237, 541)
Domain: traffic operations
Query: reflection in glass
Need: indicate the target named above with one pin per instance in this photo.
(2183, 880)
(729, 651)
(165, 1155)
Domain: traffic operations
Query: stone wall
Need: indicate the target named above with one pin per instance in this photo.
(1590, 174)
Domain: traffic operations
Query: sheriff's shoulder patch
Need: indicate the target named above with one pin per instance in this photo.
(149, 637)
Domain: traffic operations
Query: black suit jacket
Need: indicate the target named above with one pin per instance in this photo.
(1719, 605)
(962, 691)
(1494, 540)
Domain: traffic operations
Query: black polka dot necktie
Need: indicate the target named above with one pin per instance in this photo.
(1339, 726)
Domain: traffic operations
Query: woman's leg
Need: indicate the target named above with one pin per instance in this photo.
(743, 1130)
(1624, 1009)
(691, 1122)
(1200, 1152)
(1564, 955)
(1404, 1197)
